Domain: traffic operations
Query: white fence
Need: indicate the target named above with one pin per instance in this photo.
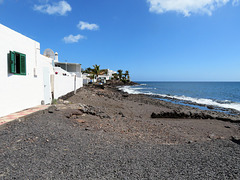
(66, 84)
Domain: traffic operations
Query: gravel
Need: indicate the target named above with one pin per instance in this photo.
(51, 146)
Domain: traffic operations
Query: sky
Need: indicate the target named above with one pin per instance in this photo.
(155, 40)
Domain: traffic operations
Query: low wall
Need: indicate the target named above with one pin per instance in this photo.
(65, 84)
(79, 82)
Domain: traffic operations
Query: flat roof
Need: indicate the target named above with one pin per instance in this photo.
(67, 63)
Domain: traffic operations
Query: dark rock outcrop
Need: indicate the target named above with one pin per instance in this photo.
(94, 111)
(181, 115)
(69, 113)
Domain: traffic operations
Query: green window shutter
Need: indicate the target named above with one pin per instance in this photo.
(12, 62)
(23, 64)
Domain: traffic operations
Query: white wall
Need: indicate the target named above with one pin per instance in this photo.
(25, 90)
(65, 84)
(111, 72)
(61, 71)
(18, 92)
(45, 63)
(79, 83)
(104, 76)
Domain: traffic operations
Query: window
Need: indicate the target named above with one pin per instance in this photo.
(17, 63)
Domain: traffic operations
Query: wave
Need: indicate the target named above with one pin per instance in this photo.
(130, 90)
(201, 101)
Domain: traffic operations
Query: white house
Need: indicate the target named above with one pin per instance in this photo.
(27, 78)
(111, 72)
(107, 76)
(67, 78)
(86, 78)
(72, 68)
(102, 77)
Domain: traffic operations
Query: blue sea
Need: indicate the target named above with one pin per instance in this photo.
(222, 95)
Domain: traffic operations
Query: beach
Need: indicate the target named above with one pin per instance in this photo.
(130, 116)
(104, 133)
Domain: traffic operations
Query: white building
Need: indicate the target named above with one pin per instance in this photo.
(27, 78)
(86, 78)
(111, 72)
(101, 77)
(107, 76)
(72, 68)
(67, 78)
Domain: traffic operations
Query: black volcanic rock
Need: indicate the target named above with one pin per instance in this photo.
(181, 115)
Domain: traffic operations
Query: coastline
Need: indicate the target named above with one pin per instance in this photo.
(209, 112)
(141, 110)
(210, 99)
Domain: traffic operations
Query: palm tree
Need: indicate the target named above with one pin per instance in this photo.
(87, 70)
(103, 71)
(96, 70)
(91, 76)
(106, 71)
(127, 75)
(120, 74)
(115, 76)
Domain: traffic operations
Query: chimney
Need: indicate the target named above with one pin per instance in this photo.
(56, 57)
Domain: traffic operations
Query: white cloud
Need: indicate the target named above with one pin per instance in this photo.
(61, 8)
(187, 7)
(236, 2)
(85, 25)
(73, 39)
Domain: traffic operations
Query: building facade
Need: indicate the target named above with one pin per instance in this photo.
(27, 78)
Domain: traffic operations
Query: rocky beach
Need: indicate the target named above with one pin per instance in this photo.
(104, 133)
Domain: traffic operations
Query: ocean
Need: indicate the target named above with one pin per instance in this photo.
(223, 96)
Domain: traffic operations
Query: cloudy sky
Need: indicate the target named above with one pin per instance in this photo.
(160, 40)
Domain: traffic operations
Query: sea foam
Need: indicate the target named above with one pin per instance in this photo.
(201, 101)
